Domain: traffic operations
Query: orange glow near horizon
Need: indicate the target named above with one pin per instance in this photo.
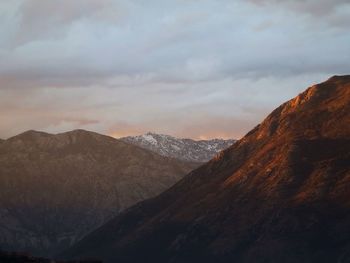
(120, 134)
(215, 136)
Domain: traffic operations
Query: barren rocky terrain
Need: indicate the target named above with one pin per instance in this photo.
(54, 189)
(280, 194)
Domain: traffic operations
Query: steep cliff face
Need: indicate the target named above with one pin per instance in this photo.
(280, 194)
(182, 149)
(54, 189)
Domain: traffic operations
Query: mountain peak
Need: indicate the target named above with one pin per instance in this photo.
(31, 134)
(81, 133)
(57, 188)
(34, 133)
(154, 134)
(183, 149)
(280, 194)
(319, 100)
(342, 78)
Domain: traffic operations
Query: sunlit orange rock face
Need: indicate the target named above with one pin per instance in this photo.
(281, 194)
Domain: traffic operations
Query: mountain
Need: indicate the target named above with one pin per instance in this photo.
(280, 194)
(54, 189)
(183, 149)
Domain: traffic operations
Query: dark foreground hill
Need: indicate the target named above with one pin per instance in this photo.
(280, 194)
(54, 189)
(6, 257)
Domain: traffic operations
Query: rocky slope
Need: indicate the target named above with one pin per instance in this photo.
(280, 194)
(54, 189)
(182, 149)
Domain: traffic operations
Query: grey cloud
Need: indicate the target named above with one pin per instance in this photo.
(51, 19)
(178, 67)
(314, 7)
(226, 108)
(169, 41)
(334, 13)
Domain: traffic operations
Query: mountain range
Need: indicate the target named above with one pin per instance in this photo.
(280, 194)
(54, 189)
(183, 149)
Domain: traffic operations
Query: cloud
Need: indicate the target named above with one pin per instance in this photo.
(169, 66)
(81, 43)
(39, 20)
(314, 7)
(334, 13)
(225, 108)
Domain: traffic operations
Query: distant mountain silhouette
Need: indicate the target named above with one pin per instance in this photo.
(182, 149)
(54, 189)
(280, 194)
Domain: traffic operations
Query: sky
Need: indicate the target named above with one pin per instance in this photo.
(189, 68)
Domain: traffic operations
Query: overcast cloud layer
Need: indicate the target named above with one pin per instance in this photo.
(188, 68)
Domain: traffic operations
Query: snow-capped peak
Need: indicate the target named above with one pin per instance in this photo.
(149, 138)
(184, 149)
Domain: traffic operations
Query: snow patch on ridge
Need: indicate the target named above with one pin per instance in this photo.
(183, 149)
(149, 138)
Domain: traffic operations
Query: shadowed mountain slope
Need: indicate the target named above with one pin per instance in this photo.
(54, 189)
(280, 194)
(9, 257)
